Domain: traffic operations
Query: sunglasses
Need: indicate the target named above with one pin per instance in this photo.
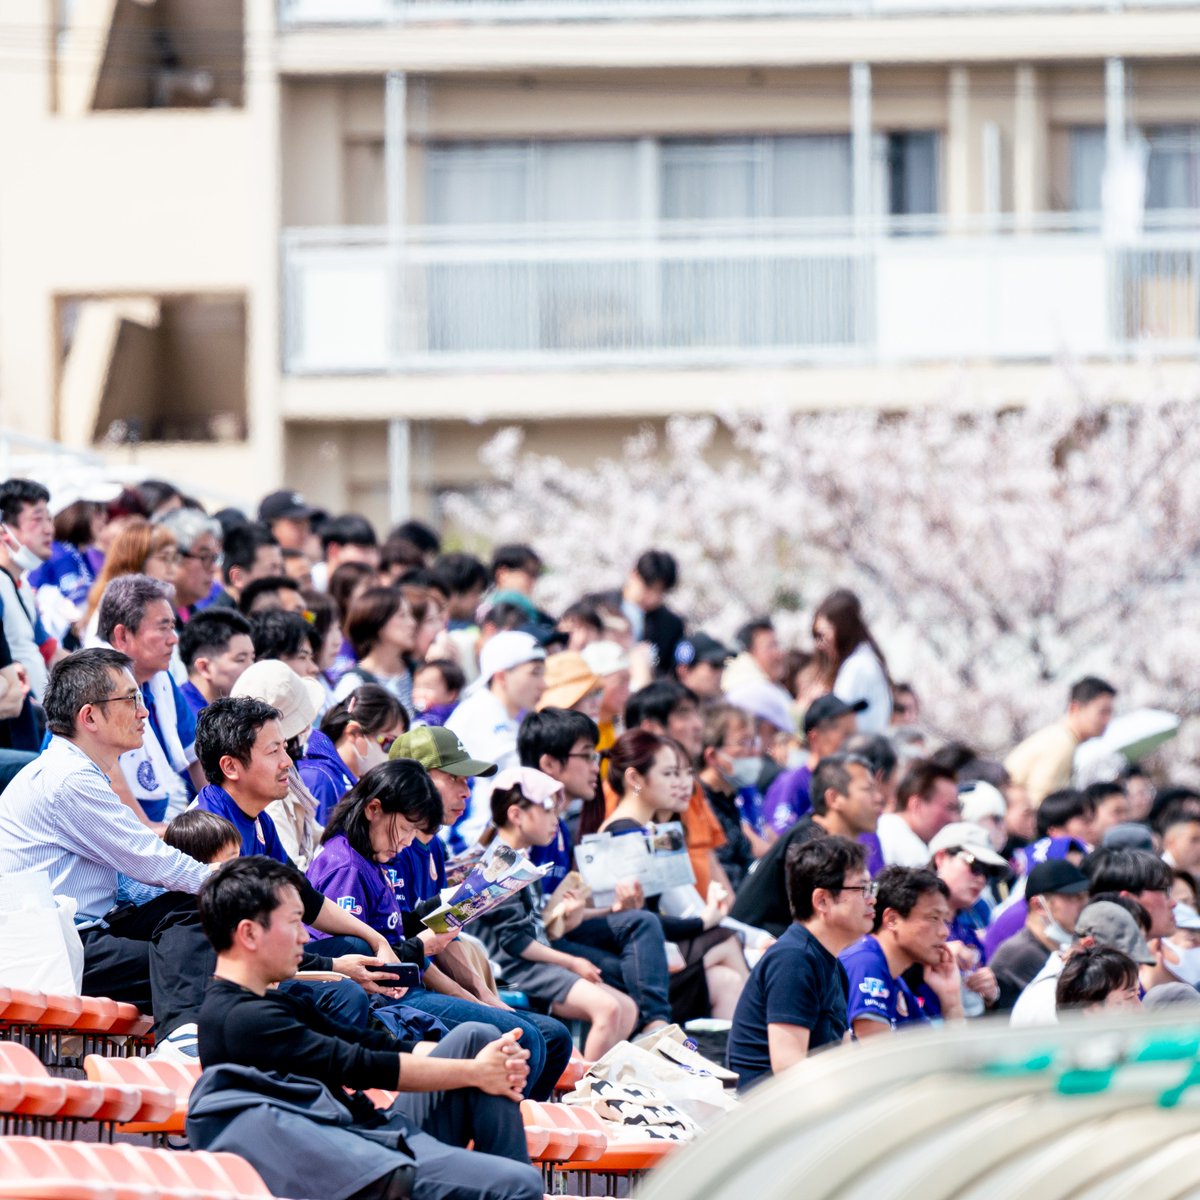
(978, 867)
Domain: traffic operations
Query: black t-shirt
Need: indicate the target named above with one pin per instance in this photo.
(797, 982)
(762, 899)
(287, 1033)
(1016, 961)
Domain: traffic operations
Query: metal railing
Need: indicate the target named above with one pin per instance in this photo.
(295, 14)
(357, 301)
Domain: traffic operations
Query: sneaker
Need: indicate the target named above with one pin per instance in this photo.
(181, 1045)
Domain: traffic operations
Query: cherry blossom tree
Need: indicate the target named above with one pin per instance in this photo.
(999, 555)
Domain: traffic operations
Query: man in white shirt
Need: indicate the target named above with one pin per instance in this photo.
(61, 816)
(26, 538)
(1102, 923)
(512, 677)
(928, 800)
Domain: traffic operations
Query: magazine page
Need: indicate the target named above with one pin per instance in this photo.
(501, 873)
(656, 858)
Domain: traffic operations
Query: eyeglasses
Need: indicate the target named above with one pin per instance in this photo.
(869, 890)
(593, 757)
(208, 559)
(132, 698)
(170, 557)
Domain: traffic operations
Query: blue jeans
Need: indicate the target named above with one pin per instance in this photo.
(630, 950)
(547, 1040)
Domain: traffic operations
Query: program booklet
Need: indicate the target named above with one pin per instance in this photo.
(499, 874)
(656, 857)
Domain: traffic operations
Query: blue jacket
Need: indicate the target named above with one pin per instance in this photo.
(324, 774)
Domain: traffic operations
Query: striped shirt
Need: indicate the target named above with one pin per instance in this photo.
(60, 815)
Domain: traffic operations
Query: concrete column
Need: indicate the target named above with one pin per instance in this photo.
(861, 145)
(1115, 117)
(264, 311)
(1030, 158)
(395, 148)
(399, 460)
(958, 147)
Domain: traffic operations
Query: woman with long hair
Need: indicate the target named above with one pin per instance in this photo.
(851, 659)
(139, 549)
(652, 777)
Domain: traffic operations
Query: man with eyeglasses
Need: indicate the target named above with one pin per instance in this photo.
(795, 999)
(61, 816)
(964, 861)
(199, 538)
(912, 924)
(137, 617)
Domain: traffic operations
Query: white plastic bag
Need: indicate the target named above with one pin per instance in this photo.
(40, 948)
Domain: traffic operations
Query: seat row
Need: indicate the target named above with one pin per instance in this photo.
(34, 1169)
(61, 1029)
(30, 1097)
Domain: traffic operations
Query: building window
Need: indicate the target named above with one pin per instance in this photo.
(756, 178)
(912, 173)
(1086, 155)
(1173, 167)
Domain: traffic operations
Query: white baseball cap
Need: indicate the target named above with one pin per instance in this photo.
(981, 799)
(765, 700)
(507, 650)
(966, 835)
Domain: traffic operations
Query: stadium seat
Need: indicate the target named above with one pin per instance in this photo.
(165, 1088)
(32, 1169)
(561, 1142)
(19, 1007)
(591, 1141)
(79, 1101)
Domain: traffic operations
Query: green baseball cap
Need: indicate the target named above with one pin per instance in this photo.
(436, 748)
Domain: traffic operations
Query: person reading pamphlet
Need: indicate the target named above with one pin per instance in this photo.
(524, 805)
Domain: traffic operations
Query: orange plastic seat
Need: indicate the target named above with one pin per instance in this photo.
(33, 1169)
(244, 1179)
(40, 1096)
(159, 1109)
(592, 1142)
(61, 1012)
(131, 1021)
(82, 1160)
(22, 1007)
(573, 1072)
(80, 1100)
(99, 1015)
(561, 1142)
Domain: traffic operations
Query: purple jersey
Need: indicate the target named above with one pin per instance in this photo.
(360, 887)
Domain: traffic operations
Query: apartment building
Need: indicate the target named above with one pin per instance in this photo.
(339, 243)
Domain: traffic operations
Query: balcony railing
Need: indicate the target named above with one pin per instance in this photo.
(301, 13)
(357, 301)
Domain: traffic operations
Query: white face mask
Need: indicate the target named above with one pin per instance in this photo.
(1188, 966)
(24, 559)
(1053, 930)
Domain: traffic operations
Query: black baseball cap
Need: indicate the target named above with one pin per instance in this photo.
(286, 505)
(1056, 877)
(829, 708)
(700, 648)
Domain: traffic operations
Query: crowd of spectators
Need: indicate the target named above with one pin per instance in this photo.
(305, 726)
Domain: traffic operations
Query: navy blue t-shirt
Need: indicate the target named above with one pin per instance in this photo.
(797, 982)
(873, 992)
(418, 872)
(559, 853)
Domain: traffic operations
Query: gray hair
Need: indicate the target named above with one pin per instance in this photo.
(125, 601)
(81, 678)
(189, 525)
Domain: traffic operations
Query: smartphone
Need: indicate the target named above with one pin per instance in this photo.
(407, 974)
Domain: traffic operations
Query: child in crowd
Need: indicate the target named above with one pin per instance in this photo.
(437, 687)
(203, 836)
(525, 806)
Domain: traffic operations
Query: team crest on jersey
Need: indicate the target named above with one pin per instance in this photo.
(350, 904)
(901, 1005)
(392, 877)
(876, 989)
(147, 780)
